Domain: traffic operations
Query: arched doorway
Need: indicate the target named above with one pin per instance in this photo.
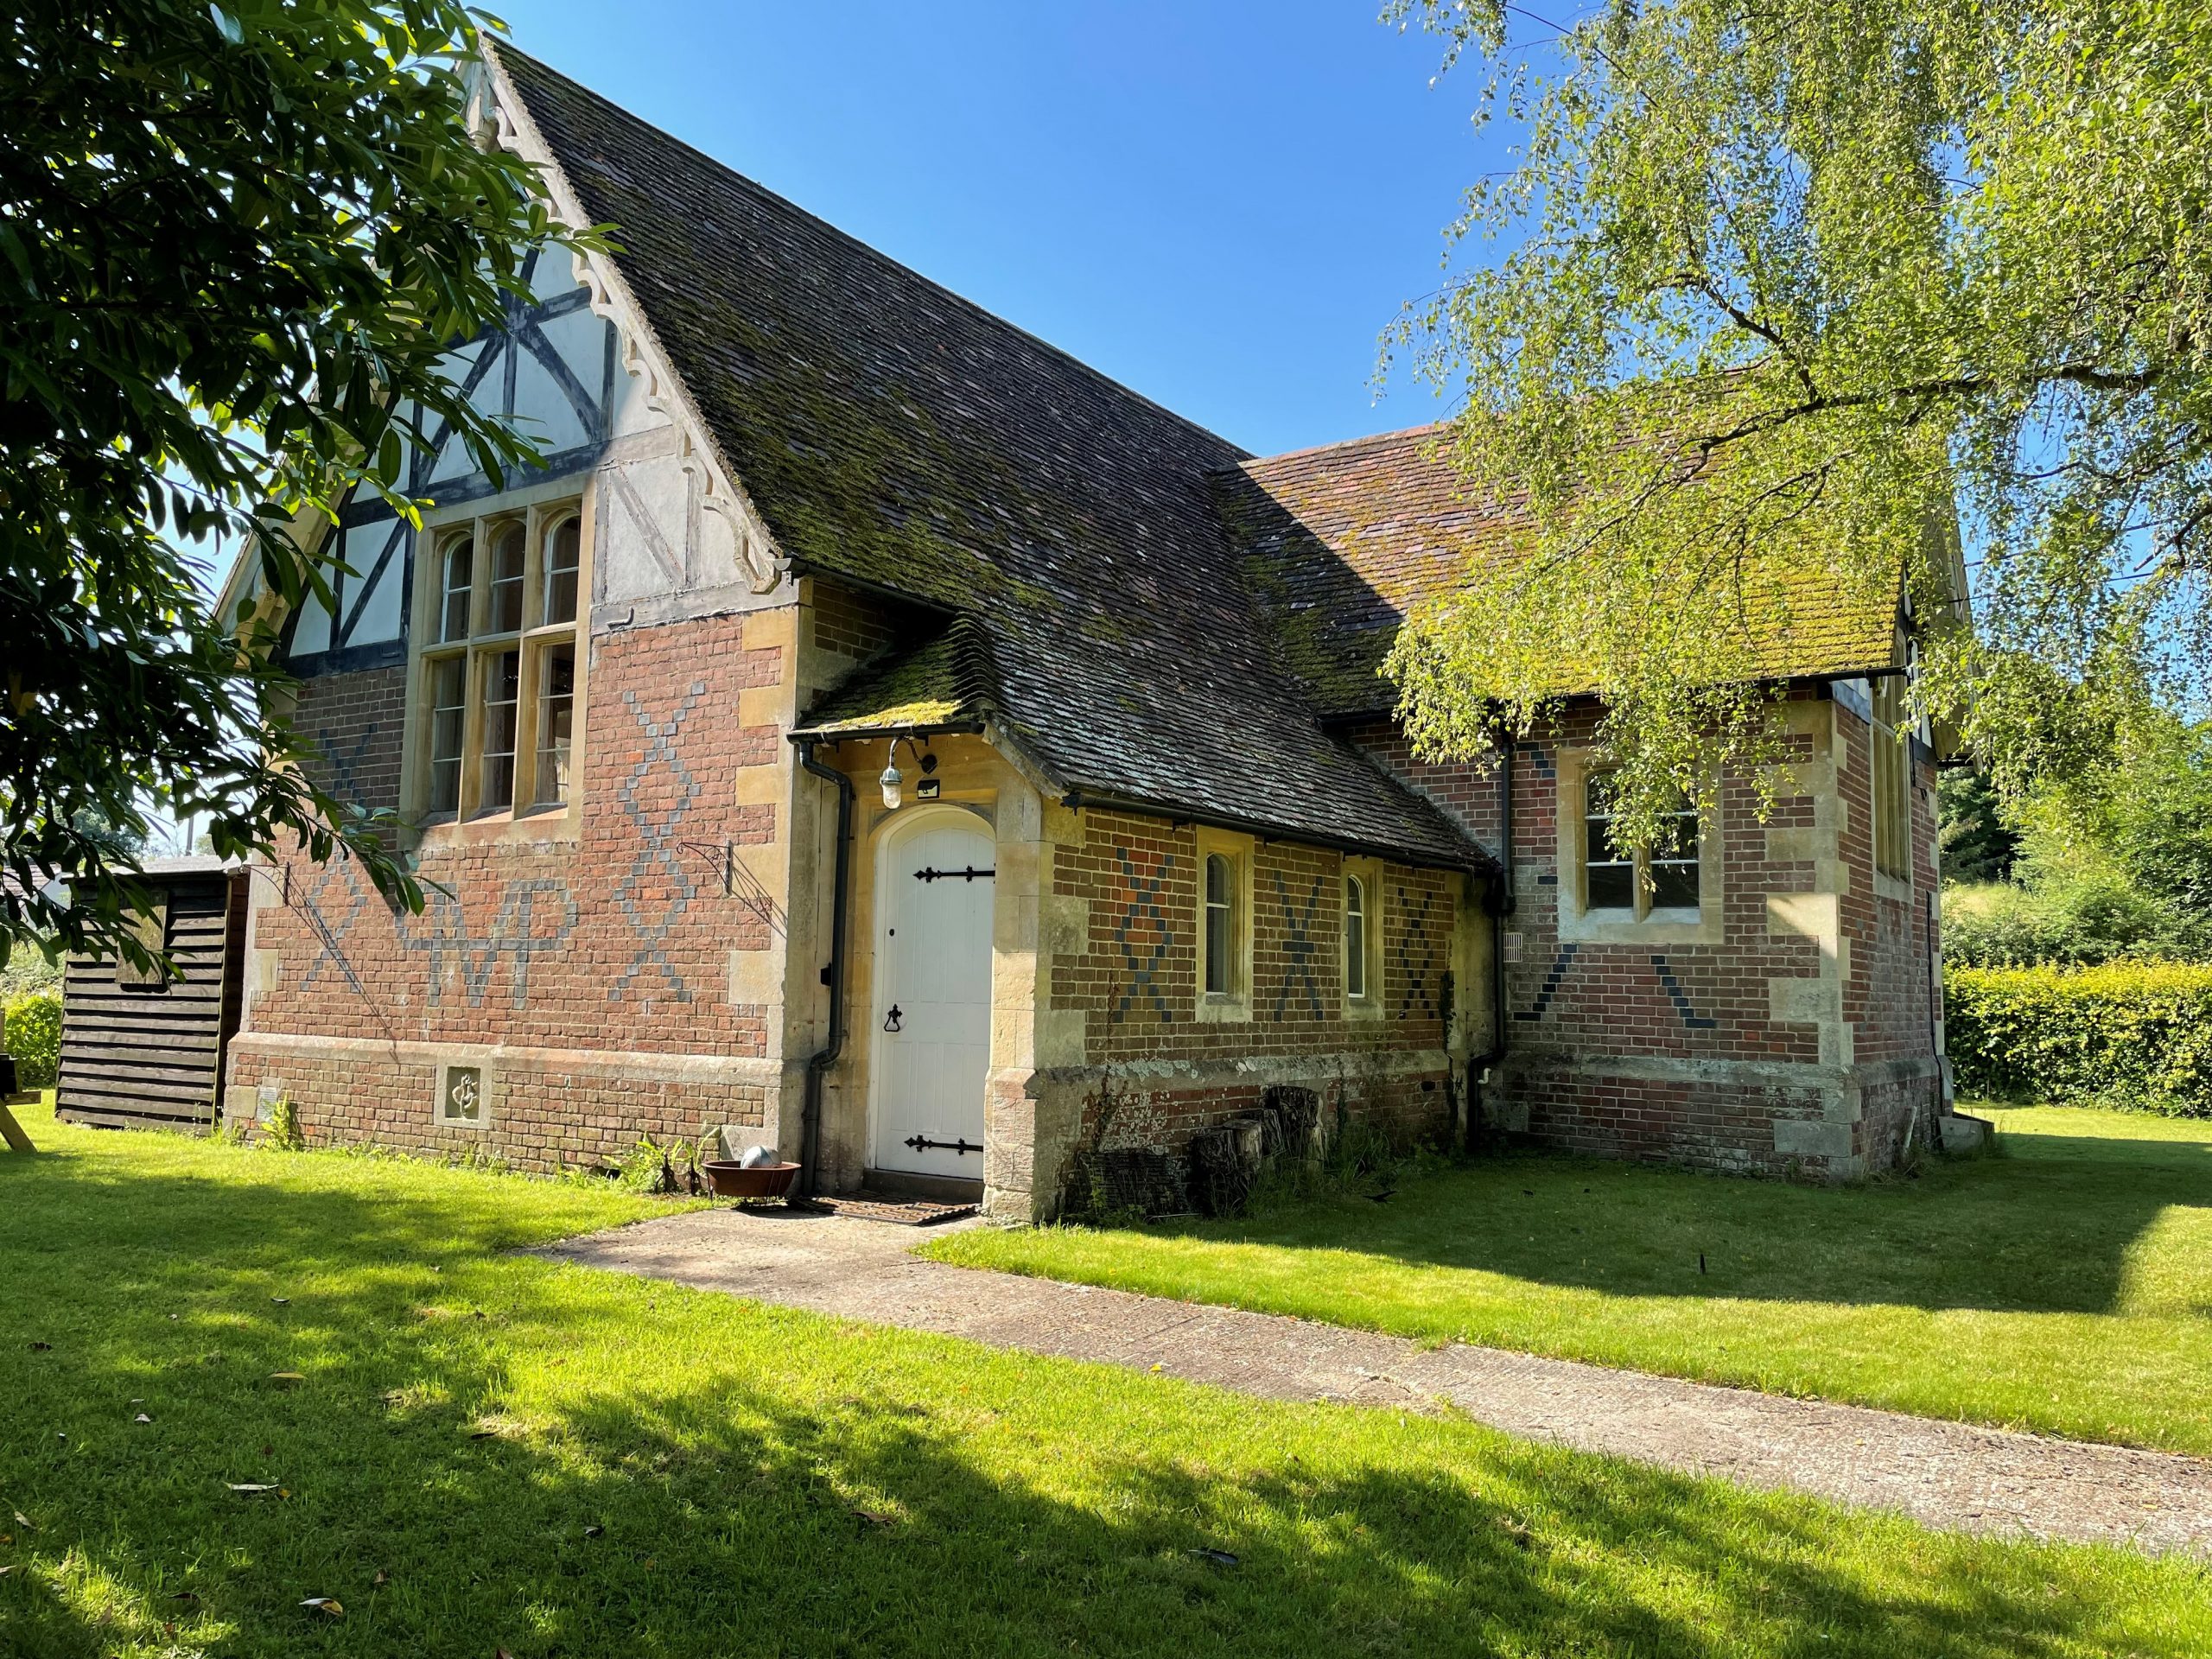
(935, 889)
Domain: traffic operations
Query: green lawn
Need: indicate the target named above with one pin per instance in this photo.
(2065, 1287)
(488, 1452)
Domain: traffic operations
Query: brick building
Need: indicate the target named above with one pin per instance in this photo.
(873, 727)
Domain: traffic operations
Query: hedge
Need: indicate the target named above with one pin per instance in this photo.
(2128, 1034)
(33, 1026)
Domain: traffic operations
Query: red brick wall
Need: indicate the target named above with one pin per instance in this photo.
(1586, 1019)
(547, 1116)
(355, 722)
(1887, 998)
(1164, 1072)
(1120, 1112)
(853, 625)
(1138, 980)
(1720, 1126)
(612, 936)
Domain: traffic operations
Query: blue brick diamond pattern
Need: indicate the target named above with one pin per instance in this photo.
(1418, 999)
(1560, 963)
(1679, 997)
(659, 862)
(1300, 946)
(335, 880)
(1143, 907)
(343, 769)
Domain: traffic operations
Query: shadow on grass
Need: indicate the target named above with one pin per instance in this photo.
(771, 1482)
(2049, 1228)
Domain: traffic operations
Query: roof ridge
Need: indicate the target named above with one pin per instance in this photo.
(895, 435)
(1397, 436)
(506, 49)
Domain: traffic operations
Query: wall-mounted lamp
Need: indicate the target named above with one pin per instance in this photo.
(893, 781)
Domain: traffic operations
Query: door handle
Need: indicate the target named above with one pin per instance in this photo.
(890, 1019)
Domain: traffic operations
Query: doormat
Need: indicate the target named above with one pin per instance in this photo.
(900, 1212)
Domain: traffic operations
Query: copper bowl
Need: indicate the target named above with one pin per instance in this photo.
(730, 1179)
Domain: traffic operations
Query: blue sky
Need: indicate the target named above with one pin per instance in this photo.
(1222, 205)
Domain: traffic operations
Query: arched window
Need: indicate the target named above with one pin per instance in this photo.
(1355, 936)
(498, 690)
(1221, 924)
(447, 680)
(554, 661)
(504, 614)
(459, 587)
(561, 556)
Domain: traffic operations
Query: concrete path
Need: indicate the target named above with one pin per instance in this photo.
(1944, 1474)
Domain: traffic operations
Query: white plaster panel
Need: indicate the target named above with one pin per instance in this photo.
(491, 393)
(634, 411)
(453, 461)
(644, 529)
(312, 631)
(715, 562)
(579, 341)
(542, 412)
(378, 617)
(555, 275)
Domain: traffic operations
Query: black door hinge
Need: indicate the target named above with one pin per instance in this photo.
(923, 1143)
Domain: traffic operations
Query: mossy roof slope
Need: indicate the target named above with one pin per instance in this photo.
(1340, 543)
(944, 684)
(893, 434)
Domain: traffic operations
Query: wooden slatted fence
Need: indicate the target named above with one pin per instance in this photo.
(151, 1055)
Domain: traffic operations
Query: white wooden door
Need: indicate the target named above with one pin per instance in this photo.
(933, 1004)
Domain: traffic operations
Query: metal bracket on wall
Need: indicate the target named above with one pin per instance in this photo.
(724, 853)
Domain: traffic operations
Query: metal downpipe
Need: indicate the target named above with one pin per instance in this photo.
(833, 975)
(1500, 905)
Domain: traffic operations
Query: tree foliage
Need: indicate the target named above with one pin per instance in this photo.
(1973, 843)
(235, 240)
(1771, 289)
(2113, 862)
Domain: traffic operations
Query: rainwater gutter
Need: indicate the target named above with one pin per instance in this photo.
(833, 975)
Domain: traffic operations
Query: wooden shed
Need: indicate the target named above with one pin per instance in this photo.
(144, 1051)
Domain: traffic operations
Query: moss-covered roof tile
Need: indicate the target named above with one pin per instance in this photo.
(944, 684)
(1340, 543)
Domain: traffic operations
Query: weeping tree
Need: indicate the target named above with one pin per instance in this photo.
(1780, 298)
(235, 240)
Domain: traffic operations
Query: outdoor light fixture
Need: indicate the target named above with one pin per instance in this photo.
(892, 779)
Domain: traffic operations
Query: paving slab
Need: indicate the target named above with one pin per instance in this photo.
(1944, 1474)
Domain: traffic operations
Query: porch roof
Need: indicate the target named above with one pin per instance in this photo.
(944, 685)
